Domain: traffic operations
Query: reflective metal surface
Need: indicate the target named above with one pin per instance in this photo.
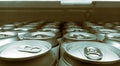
(103, 32)
(24, 50)
(89, 53)
(7, 37)
(79, 36)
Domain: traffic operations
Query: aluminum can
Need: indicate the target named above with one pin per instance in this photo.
(75, 37)
(117, 28)
(54, 30)
(8, 27)
(78, 36)
(25, 29)
(94, 29)
(45, 36)
(74, 30)
(113, 39)
(103, 32)
(7, 37)
(90, 53)
(27, 53)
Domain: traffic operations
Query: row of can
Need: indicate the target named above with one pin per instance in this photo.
(45, 43)
(95, 45)
(29, 44)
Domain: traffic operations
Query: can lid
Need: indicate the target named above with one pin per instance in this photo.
(23, 29)
(7, 34)
(50, 26)
(10, 25)
(80, 36)
(107, 31)
(94, 52)
(72, 26)
(117, 27)
(23, 50)
(74, 29)
(39, 35)
(113, 36)
(97, 27)
(50, 29)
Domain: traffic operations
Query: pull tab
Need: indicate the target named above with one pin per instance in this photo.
(78, 36)
(93, 53)
(77, 30)
(3, 35)
(40, 36)
(29, 49)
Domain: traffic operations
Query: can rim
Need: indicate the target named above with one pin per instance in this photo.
(93, 61)
(110, 30)
(93, 37)
(11, 33)
(48, 45)
(113, 35)
(52, 35)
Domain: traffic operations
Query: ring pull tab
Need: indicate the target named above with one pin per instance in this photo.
(38, 36)
(29, 49)
(3, 35)
(76, 30)
(93, 53)
(78, 36)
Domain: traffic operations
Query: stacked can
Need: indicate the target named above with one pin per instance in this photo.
(75, 37)
(101, 34)
(89, 53)
(73, 42)
(7, 37)
(101, 30)
(74, 33)
(27, 53)
(26, 28)
(6, 33)
(49, 32)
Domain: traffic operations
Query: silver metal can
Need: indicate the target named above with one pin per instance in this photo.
(113, 39)
(8, 27)
(71, 26)
(7, 37)
(75, 37)
(78, 36)
(54, 30)
(25, 29)
(74, 30)
(97, 27)
(20, 33)
(27, 53)
(88, 24)
(18, 24)
(90, 53)
(45, 36)
(117, 28)
(101, 33)
(50, 26)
